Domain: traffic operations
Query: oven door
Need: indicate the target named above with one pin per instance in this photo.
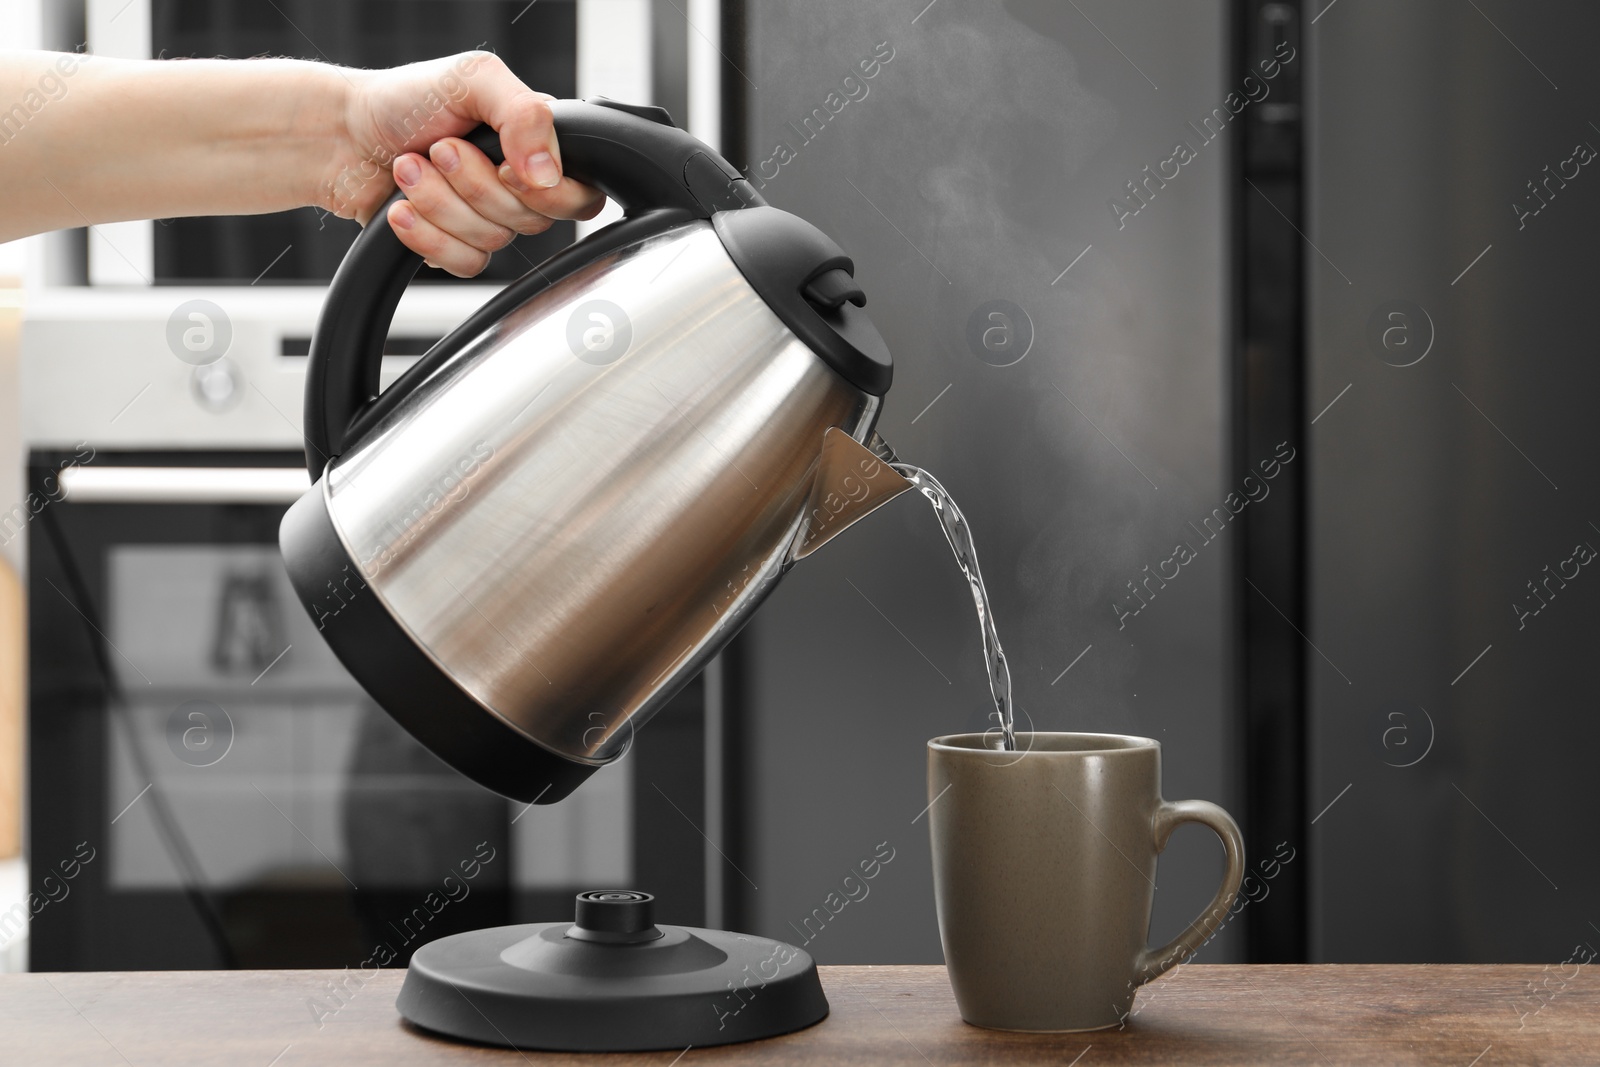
(220, 790)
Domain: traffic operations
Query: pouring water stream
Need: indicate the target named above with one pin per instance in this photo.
(959, 535)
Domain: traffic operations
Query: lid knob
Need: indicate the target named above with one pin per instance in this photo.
(833, 287)
(614, 917)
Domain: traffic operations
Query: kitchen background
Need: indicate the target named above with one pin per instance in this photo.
(1245, 333)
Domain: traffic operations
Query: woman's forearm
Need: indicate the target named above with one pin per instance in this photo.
(87, 140)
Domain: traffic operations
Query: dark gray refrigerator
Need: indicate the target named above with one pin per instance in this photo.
(1249, 336)
(1453, 502)
(1061, 365)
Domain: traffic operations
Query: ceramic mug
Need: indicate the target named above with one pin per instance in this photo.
(1044, 863)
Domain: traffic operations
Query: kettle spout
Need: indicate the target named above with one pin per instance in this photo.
(852, 481)
(880, 448)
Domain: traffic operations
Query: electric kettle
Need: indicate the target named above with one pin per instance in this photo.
(551, 522)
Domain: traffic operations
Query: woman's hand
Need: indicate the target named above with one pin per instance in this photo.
(458, 208)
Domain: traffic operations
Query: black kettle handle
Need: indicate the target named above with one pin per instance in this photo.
(632, 154)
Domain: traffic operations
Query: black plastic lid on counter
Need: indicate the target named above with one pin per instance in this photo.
(809, 283)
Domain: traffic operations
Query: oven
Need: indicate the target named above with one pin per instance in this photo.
(222, 792)
(226, 795)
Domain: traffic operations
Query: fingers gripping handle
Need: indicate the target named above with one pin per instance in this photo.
(643, 164)
(1155, 962)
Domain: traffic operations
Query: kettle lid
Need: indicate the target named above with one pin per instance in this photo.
(810, 284)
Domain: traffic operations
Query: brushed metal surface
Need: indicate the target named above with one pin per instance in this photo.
(571, 539)
(851, 483)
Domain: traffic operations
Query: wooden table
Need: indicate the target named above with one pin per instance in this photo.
(1204, 1014)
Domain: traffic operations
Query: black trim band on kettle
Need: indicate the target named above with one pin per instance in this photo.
(406, 683)
(659, 174)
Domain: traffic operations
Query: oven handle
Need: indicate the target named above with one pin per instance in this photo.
(183, 485)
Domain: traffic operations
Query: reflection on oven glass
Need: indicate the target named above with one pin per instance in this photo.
(286, 776)
(249, 633)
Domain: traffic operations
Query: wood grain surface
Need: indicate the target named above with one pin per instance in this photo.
(1206, 1014)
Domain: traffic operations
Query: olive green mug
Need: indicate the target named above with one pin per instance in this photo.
(1044, 863)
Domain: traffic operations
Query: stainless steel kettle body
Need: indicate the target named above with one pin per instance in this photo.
(547, 527)
(569, 534)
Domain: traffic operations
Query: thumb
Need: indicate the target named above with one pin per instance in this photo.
(521, 116)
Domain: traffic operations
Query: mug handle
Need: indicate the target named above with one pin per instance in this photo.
(1153, 963)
